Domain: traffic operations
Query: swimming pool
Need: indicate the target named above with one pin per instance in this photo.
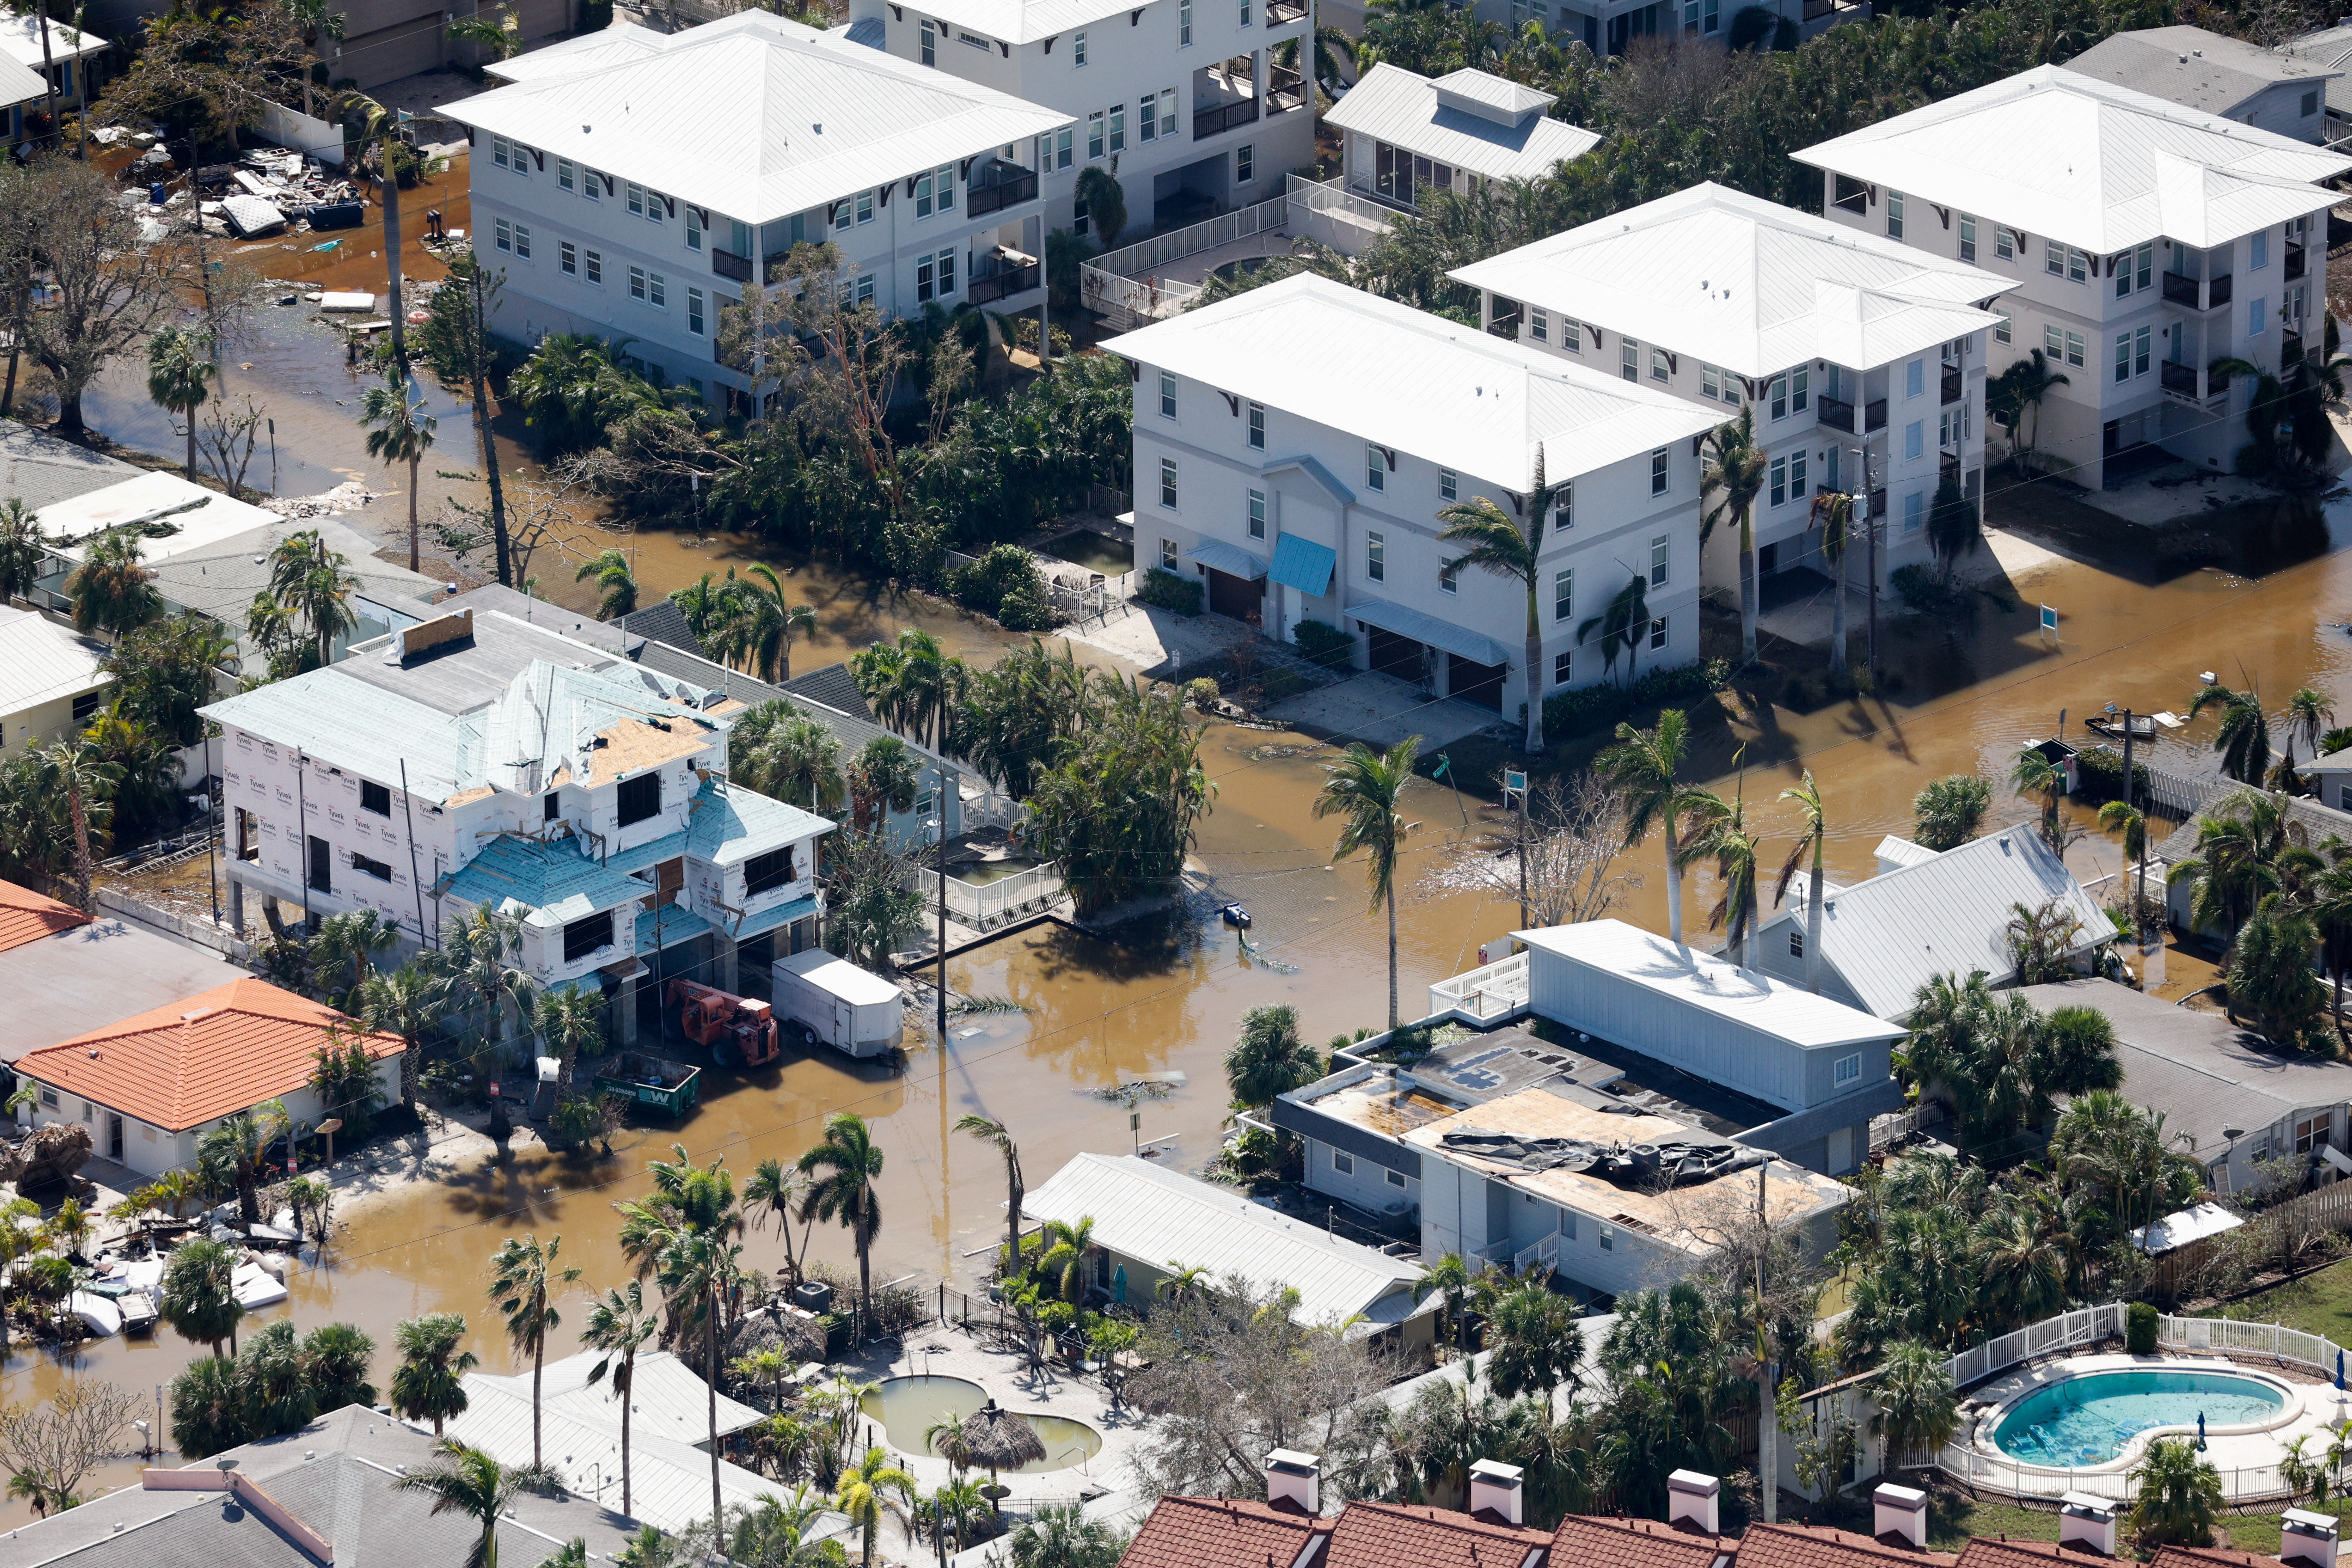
(2090, 1419)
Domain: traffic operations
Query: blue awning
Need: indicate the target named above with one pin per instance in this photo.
(769, 919)
(1303, 564)
(1231, 559)
(1475, 646)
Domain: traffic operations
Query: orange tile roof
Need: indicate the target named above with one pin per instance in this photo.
(1211, 1533)
(2210, 1557)
(1387, 1534)
(25, 916)
(190, 1062)
(1985, 1552)
(1587, 1542)
(1819, 1546)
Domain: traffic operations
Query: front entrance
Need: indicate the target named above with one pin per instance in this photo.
(1768, 559)
(1399, 656)
(1475, 682)
(113, 1137)
(1238, 598)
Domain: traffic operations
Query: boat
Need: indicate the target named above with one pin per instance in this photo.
(98, 1315)
(1235, 916)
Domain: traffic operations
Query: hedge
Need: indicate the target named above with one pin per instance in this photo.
(1165, 590)
(1598, 707)
(2099, 776)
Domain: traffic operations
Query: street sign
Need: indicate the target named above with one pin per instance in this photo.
(2049, 618)
(1515, 778)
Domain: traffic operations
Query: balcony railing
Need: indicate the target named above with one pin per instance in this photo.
(1952, 384)
(1873, 416)
(1278, 12)
(2217, 291)
(1002, 283)
(1285, 92)
(2180, 290)
(1835, 413)
(1010, 186)
(2217, 381)
(1208, 122)
(2295, 262)
(727, 263)
(2176, 378)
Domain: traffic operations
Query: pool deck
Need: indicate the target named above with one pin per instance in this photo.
(1982, 1407)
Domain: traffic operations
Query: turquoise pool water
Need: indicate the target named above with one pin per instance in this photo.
(2088, 1420)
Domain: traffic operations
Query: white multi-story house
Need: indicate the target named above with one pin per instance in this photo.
(2143, 243)
(1293, 446)
(480, 762)
(1845, 345)
(2280, 90)
(1181, 100)
(1405, 131)
(632, 197)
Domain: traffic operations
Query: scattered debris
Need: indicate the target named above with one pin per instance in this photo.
(347, 497)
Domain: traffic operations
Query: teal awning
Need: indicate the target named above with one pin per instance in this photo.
(1303, 564)
(1475, 646)
(1231, 559)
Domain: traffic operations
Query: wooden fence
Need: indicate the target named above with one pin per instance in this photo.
(2264, 1231)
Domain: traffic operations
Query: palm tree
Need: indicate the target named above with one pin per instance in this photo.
(1060, 1535)
(915, 685)
(1808, 796)
(1450, 1278)
(1269, 1059)
(231, 1153)
(618, 583)
(844, 1168)
(756, 625)
(2034, 773)
(522, 1275)
(398, 431)
(481, 955)
(1536, 1344)
(2179, 1495)
(1364, 790)
(1640, 766)
(1068, 1249)
(998, 1137)
(110, 591)
(1916, 1413)
(2014, 397)
(409, 1003)
(1736, 466)
(429, 1384)
(350, 941)
(179, 378)
(24, 546)
(199, 1295)
(2040, 940)
(798, 761)
(2244, 737)
(2241, 841)
(571, 1024)
(620, 1325)
(500, 34)
(2308, 715)
(864, 1495)
(883, 780)
(775, 1192)
(379, 133)
(472, 1483)
(1719, 833)
(74, 767)
(1833, 515)
(1501, 546)
(317, 24)
(310, 580)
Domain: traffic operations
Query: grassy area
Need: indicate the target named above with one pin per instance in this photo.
(2319, 1303)
(1954, 1519)
(2259, 1533)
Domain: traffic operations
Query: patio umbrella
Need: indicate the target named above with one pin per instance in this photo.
(1118, 1298)
(2339, 1370)
(2200, 1431)
(997, 1439)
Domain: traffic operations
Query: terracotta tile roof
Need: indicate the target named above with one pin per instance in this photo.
(1393, 1535)
(1985, 1552)
(1819, 1546)
(1210, 1532)
(25, 916)
(189, 1062)
(2210, 1557)
(1589, 1543)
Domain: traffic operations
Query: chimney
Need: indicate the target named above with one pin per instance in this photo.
(2308, 1539)
(1494, 1485)
(2087, 1523)
(1900, 1513)
(1295, 1477)
(1695, 1501)
(434, 632)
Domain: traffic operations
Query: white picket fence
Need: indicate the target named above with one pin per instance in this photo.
(983, 906)
(2219, 1336)
(1126, 286)
(1496, 991)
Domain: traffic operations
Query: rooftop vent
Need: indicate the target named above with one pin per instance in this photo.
(2308, 1539)
(1295, 1477)
(2087, 1523)
(1899, 1515)
(1694, 1500)
(1494, 1485)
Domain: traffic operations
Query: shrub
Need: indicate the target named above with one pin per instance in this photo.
(1006, 584)
(1325, 644)
(2099, 776)
(1925, 593)
(1202, 691)
(2139, 1329)
(1598, 707)
(1164, 590)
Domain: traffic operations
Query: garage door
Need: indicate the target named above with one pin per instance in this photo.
(1475, 682)
(1239, 597)
(393, 50)
(1394, 654)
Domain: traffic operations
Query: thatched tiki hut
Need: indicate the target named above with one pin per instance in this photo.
(998, 1440)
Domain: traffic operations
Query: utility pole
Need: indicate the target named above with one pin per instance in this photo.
(1870, 529)
(941, 805)
(1514, 783)
(1768, 1448)
(2136, 884)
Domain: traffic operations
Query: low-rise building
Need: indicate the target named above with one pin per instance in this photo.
(1858, 356)
(50, 682)
(151, 1085)
(2169, 242)
(63, 972)
(1947, 914)
(631, 194)
(2272, 89)
(2329, 49)
(38, 468)
(1295, 445)
(1405, 132)
(2310, 820)
(70, 59)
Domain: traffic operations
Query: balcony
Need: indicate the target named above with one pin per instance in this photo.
(2180, 290)
(2217, 381)
(2180, 380)
(1279, 12)
(1012, 274)
(2295, 262)
(997, 186)
(1834, 413)
(727, 263)
(1285, 92)
(2217, 291)
(1223, 117)
(1952, 384)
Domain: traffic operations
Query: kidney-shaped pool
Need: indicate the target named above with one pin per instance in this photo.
(2089, 1418)
(909, 1407)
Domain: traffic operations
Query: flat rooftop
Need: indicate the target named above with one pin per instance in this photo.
(88, 977)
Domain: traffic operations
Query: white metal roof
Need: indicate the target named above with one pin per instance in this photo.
(198, 518)
(21, 42)
(1024, 21)
(1167, 1220)
(1745, 284)
(2188, 1225)
(583, 51)
(1468, 119)
(41, 661)
(1948, 914)
(1711, 984)
(1453, 395)
(758, 118)
(2061, 155)
(666, 1397)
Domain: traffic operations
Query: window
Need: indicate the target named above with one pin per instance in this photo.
(594, 260)
(1257, 514)
(656, 292)
(2135, 269)
(2053, 342)
(502, 234)
(1563, 594)
(1967, 237)
(1245, 13)
(693, 229)
(2261, 249)
(1913, 505)
(376, 868)
(2065, 261)
(866, 206)
(1395, 1178)
(1449, 576)
(1796, 943)
(567, 258)
(500, 152)
(1168, 481)
(1914, 378)
(927, 44)
(1343, 1162)
(522, 242)
(2314, 1132)
(2257, 316)
(1658, 460)
(1662, 557)
(1608, 1239)
(1167, 395)
(1147, 117)
(639, 798)
(551, 806)
(1079, 50)
(1167, 112)
(375, 798)
(1847, 1070)
(48, 1096)
(1852, 195)
(1376, 555)
(1183, 24)
(935, 192)
(1540, 326)
(1376, 473)
(1168, 556)
(1244, 163)
(2123, 356)
(1800, 384)
(1563, 669)
(2310, 103)
(636, 283)
(2140, 363)
(1257, 426)
(1629, 359)
(1914, 437)
(2005, 330)
(566, 174)
(1118, 127)
(1710, 380)
(1659, 368)
(1895, 214)
(323, 862)
(592, 185)
(583, 937)
(2077, 349)
(636, 194)
(1563, 504)
(1449, 485)
(1657, 634)
(1062, 153)
(1780, 482)
(766, 873)
(1571, 335)
(694, 312)
(1095, 134)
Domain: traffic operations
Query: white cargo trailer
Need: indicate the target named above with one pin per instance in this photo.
(854, 1012)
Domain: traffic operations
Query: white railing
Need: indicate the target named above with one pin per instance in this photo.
(982, 905)
(1327, 212)
(1497, 989)
(2088, 1325)
(1125, 285)
(1546, 1252)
